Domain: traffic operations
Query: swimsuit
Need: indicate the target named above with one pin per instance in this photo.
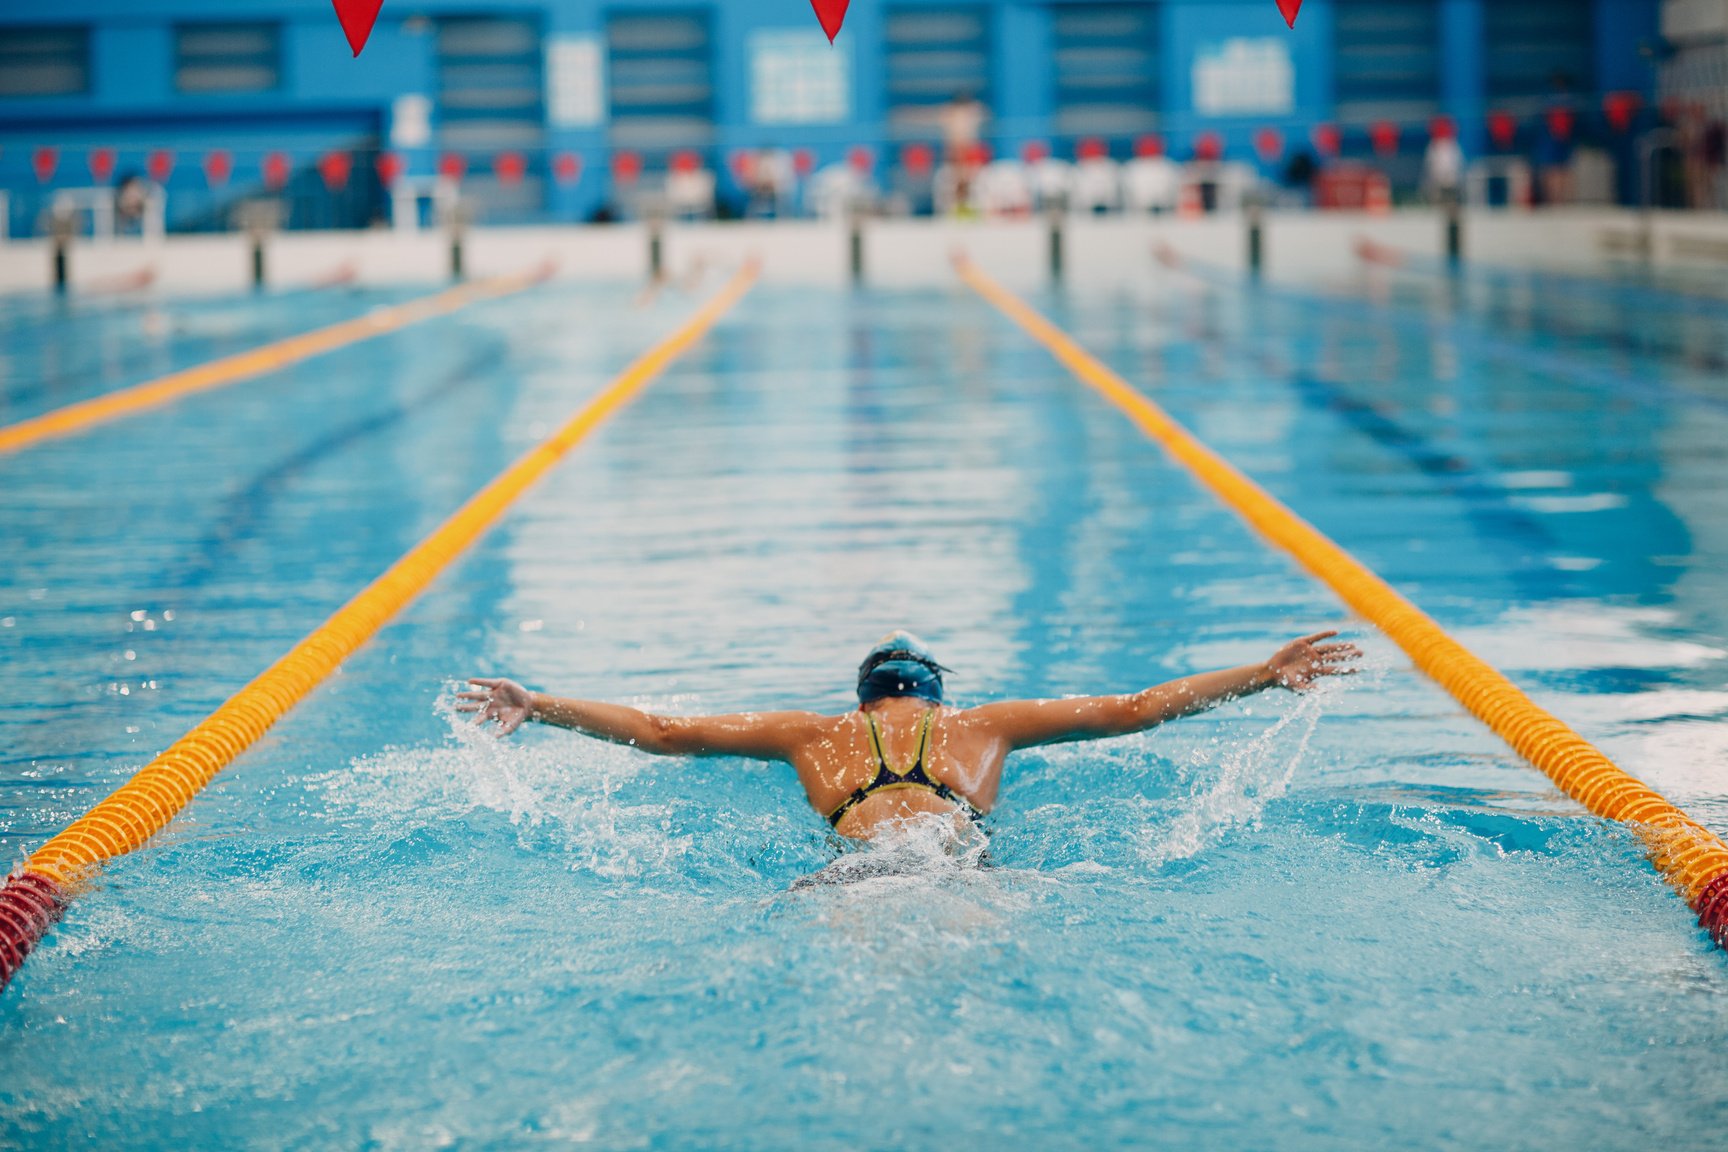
(914, 777)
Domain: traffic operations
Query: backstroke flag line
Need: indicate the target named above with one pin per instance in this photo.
(358, 16)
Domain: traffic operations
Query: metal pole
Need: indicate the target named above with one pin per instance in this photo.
(1256, 248)
(1057, 254)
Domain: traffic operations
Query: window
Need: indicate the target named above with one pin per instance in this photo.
(490, 83)
(1106, 69)
(1387, 59)
(934, 55)
(226, 58)
(661, 78)
(44, 61)
(1532, 44)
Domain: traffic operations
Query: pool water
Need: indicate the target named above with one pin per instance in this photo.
(1347, 920)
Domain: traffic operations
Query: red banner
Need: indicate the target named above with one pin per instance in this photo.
(276, 169)
(335, 168)
(101, 162)
(218, 166)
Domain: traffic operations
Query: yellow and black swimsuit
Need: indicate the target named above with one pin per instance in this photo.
(914, 777)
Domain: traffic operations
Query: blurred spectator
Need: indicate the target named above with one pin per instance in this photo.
(771, 181)
(1554, 143)
(131, 199)
(1715, 151)
(1443, 165)
(962, 127)
(1299, 176)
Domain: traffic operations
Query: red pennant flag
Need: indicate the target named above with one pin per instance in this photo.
(1269, 144)
(685, 162)
(831, 14)
(626, 166)
(1620, 107)
(275, 170)
(160, 165)
(1149, 146)
(1091, 148)
(803, 161)
(218, 166)
(978, 155)
(1328, 141)
(1442, 128)
(1034, 152)
(389, 166)
(101, 164)
(1384, 135)
(335, 167)
(861, 159)
(1502, 129)
(357, 17)
(743, 165)
(45, 160)
(566, 168)
(1208, 146)
(917, 159)
(509, 168)
(452, 166)
(1288, 9)
(1560, 123)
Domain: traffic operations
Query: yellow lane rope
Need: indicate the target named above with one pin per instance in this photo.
(145, 804)
(1686, 852)
(255, 362)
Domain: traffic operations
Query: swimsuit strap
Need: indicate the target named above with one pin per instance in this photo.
(913, 777)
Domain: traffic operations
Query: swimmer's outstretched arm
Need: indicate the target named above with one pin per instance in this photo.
(1297, 665)
(757, 735)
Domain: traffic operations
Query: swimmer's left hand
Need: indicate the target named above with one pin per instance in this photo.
(503, 701)
(1300, 663)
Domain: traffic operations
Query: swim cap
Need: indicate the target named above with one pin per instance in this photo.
(900, 665)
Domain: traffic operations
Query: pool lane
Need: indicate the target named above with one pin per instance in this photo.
(162, 561)
(1351, 922)
(63, 352)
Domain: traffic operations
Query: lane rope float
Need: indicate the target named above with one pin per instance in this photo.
(1689, 855)
(35, 895)
(85, 414)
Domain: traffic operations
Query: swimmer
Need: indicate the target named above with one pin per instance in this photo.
(904, 754)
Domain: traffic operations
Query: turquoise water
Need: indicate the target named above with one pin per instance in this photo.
(1351, 920)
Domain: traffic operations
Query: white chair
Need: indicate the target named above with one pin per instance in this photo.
(1151, 184)
(1097, 186)
(690, 194)
(1004, 188)
(1052, 183)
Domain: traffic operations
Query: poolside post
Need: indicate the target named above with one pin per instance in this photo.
(1255, 246)
(855, 241)
(1056, 253)
(1454, 231)
(62, 221)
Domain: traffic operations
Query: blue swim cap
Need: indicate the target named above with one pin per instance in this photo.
(900, 665)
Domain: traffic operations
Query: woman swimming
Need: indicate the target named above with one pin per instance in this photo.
(903, 753)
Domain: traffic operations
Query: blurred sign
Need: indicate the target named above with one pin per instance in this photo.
(410, 121)
(1243, 77)
(575, 82)
(796, 77)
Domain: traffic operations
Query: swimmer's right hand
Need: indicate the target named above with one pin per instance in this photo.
(497, 699)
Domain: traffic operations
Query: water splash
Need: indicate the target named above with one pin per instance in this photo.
(1249, 776)
(558, 797)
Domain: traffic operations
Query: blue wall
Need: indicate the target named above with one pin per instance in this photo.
(327, 100)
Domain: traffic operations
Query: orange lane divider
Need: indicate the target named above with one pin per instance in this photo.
(245, 365)
(34, 896)
(1686, 852)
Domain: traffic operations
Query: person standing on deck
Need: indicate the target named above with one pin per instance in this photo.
(903, 754)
